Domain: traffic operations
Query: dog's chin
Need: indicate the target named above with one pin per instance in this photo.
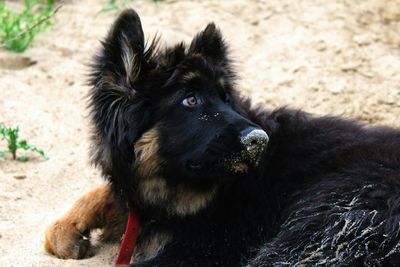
(224, 165)
(243, 162)
(217, 171)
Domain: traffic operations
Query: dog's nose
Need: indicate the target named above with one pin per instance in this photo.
(254, 140)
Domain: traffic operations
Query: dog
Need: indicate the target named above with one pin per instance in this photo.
(217, 182)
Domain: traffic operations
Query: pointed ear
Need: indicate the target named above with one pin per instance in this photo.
(117, 75)
(210, 44)
(124, 48)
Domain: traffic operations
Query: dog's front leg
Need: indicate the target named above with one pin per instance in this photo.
(68, 237)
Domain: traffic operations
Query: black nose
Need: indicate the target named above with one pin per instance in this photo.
(254, 140)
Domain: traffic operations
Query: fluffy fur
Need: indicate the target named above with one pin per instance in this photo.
(326, 191)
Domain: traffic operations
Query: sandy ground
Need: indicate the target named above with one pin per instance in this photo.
(327, 56)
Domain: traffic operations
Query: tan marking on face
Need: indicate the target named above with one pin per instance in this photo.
(150, 247)
(154, 190)
(147, 161)
(187, 202)
(176, 200)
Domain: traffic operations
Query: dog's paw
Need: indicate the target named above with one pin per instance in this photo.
(64, 240)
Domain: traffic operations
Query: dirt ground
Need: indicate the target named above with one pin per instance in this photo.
(323, 56)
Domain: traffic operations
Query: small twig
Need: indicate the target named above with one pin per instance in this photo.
(37, 24)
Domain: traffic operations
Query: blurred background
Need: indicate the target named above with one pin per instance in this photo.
(337, 57)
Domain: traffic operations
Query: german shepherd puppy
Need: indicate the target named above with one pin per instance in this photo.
(217, 183)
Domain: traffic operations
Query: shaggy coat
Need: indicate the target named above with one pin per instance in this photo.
(326, 191)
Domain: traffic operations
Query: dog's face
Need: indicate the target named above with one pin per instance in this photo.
(168, 132)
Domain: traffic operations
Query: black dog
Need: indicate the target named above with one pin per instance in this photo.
(217, 183)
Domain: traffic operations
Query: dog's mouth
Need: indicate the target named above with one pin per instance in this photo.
(194, 165)
(235, 163)
(242, 161)
(229, 157)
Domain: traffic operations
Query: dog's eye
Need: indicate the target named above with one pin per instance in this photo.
(191, 101)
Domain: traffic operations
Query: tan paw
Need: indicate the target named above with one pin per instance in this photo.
(64, 240)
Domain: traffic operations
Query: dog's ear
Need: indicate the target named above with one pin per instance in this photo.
(210, 43)
(116, 76)
(118, 111)
(123, 53)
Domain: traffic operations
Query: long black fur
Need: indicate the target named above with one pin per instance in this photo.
(327, 191)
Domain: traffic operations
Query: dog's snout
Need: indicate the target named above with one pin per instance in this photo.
(254, 140)
(253, 137)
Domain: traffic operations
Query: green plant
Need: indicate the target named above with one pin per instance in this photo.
(11, 135)
(17, 30)
(110, 6)
(117, 6)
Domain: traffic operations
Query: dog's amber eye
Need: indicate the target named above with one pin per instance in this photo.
(191, 101)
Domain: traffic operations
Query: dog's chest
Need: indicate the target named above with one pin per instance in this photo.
(151, 246)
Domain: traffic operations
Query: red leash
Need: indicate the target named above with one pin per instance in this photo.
(129, 238)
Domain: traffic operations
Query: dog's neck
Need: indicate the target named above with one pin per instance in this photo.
(150, 246)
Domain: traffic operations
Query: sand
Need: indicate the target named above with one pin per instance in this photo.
(323, 56)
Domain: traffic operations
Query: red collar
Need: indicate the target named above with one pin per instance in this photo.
(129, 238)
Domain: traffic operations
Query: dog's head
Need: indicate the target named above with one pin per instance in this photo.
(168, 130)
